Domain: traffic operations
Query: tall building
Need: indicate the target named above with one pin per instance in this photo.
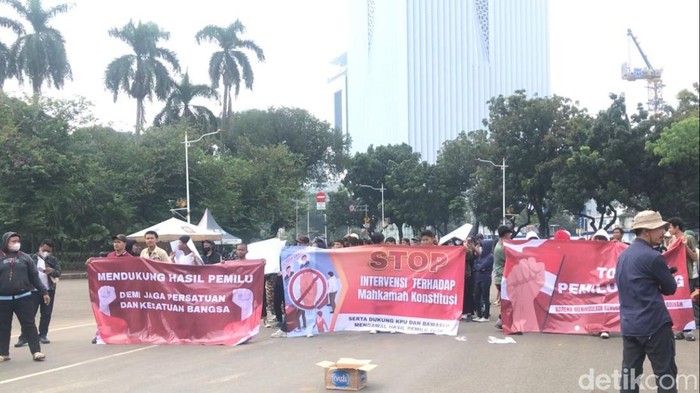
(421, 71)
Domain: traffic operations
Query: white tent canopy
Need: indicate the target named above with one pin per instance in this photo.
(460, 233)
(172, 228)
(209, 223)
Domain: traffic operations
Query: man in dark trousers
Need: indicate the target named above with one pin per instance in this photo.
(18, 276)
(49, 271)
(642, 278)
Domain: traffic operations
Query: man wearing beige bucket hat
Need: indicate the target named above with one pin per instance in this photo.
(642, 278)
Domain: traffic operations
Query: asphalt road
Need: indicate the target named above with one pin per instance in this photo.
(406, 363)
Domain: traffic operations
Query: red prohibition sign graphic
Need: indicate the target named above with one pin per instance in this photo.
(308, 289)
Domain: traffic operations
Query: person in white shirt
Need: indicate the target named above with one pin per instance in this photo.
(186, 256)
(49, 272)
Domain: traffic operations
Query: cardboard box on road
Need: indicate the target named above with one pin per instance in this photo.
(346, 373)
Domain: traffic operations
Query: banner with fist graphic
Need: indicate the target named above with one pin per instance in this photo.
(139, 301)
(415, 289)
(568, 286)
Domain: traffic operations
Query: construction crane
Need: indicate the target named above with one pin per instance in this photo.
(652, 75)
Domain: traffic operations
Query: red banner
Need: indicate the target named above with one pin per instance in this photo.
(568, 286)
(139, 301)
(390, 288)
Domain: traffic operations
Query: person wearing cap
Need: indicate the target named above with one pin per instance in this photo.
(187, 257)
(643, 278)
(354, 240)
(18, 276)
(152, 251)
(532, 235)
(601, 235)
(499, 261)
(119, 244)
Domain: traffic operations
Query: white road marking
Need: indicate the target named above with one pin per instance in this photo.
(75, 365)
(65, 328)
(74, 326)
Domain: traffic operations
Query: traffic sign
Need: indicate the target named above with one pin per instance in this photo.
(352, 208)
(320, 200)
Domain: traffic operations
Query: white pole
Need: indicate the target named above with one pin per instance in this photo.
(187, 175)
(382, 190)
(503, 168)
(296, 219)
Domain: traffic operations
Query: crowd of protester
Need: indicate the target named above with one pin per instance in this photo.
(28, 282)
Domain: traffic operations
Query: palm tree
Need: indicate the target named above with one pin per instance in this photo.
(230, 64)
(144, 72)
(5, 70)
(178, 105)
(41, 55)
(6, 62)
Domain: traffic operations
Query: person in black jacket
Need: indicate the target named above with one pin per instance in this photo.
(49, 271)
(643, 278)
(209, 255)
(483, 268)
(18, 276)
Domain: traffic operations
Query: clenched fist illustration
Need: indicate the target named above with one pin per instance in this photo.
(105, 296)
(524, 283)
(243, 298)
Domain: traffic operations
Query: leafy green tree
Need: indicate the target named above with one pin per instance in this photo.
(36, 169)
(325, 151)
(417, 198)
(339, 213)
(230, 65)
(372, 168)
(534, 136)
(269, 179)
(41, 54)
(601, 165)
(455, 167)
(179, 105)
(144, 72)
(6, 61)
(670, 187)
(678, 143)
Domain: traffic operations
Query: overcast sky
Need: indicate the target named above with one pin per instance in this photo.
(301, 37)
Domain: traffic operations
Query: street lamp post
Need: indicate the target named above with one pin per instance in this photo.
(380, 189)
(503, 169)
(187, 166)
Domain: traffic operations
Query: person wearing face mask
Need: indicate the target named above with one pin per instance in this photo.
(49, 271)
(210, 255)
(18, 276)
